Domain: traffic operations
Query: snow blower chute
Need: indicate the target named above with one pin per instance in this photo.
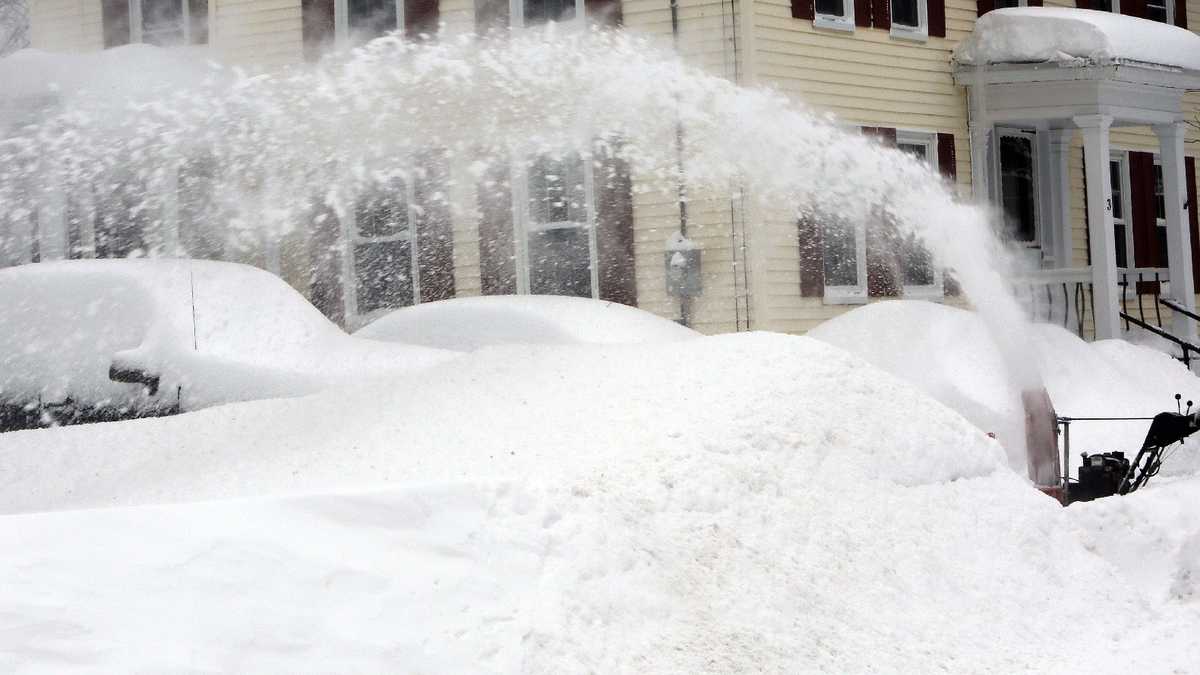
(1111, 473)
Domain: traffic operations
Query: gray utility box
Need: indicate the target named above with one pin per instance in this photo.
(683, 273)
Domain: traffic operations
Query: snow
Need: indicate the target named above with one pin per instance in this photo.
(1059, 34)
(33, 73)
(730, 503)
(951, 355)
(467, 324)
(214, 332)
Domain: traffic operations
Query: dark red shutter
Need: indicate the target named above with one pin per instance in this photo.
(316, 27)
(435, 233)
(1189, 164)
(198, 21)
(497, 262)
(1143, 210)
(947, 161)
(803, 9)
(604, 12)
(862, 13)
(490, 15)
(115, 16)
(325, 259)
(1083, 4)
(984, 6)
(881, 14)
(421, 17)
(1134, 8)
(937, 18)
(882, 240)
(812, 258)
(614, 230)
(1033, 3)
(1181, 13)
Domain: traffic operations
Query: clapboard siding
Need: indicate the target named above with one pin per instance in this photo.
(65, 25)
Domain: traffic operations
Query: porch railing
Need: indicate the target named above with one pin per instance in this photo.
(1066, 297)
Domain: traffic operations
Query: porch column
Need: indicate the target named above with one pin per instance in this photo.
(1100, 228)
(1179, 240)
(1060, 194)
(981, 134)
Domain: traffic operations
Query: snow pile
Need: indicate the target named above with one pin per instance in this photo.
(951, 355)
(744, 502)
(467, 324)
(213, 332)
(1058, 34)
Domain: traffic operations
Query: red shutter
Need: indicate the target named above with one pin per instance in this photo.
(1134, 8)
(803, 9)
(490, 15)
(1193, 218)
(325, 260)
(812, 258)
(435, 233)
(937, 18)
(1142, 202)
(881, 14)
(882, 243)
(316, 27)
(1181, 13)
(614, 230)
(947, 161)
(115, 16)
(862, 13)
(497, 264)
(984, 6)
(604, 12)
(421, 17)
(198, 21)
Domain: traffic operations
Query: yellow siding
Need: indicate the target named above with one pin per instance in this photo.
(65, 25)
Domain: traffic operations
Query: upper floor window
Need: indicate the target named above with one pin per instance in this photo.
(1163, 11)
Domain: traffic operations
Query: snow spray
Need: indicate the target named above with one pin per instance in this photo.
(316, 134)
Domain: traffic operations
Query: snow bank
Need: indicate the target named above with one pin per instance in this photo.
(214, 332)
(467, 324)
(950, 354)
(733, 503)
(1042, 34)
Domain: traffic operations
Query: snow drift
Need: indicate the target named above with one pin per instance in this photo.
(467, 324)
(735, 503)
(1058, 34)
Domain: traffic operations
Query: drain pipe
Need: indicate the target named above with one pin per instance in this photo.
(685, 301)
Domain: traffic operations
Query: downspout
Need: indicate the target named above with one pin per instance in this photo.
(685, 302)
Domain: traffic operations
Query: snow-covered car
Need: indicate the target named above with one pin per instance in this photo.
(96, 340)
(468, 324)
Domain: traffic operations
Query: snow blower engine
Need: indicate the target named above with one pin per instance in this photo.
(1111, 473)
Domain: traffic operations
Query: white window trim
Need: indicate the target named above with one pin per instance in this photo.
(844, 22)
(341, 21)
(936, 290)
(516, 13)
(136, 24)
(353, 237)
(523, 224)
(1122, 158)
(1039, 232)
(857, 294)
(919, 33)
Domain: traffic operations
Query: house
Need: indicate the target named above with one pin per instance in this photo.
(1052, 146)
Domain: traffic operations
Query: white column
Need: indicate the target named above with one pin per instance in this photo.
(1100, 227)
(1049, 221)
(1179, 240)
(1060, 193)
(981, 134)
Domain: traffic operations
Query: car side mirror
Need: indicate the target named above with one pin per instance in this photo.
(134, 375)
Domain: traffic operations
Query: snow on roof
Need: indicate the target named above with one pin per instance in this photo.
(1058, 34)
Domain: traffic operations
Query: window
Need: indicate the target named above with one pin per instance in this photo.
(169, 22)
(845, 253)
(385, 268)
(910, 19)
(836, 14)
(1160, 208)
(369, 19)
(538, 12)
(919, 275)
(1122, 232)
(1160, 10)
(559, 241)
(1018, 185)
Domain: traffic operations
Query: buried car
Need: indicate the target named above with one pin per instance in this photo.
(98, 340)
(468, 324)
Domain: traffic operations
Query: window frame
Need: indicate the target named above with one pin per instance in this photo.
(354, 238)
(929, 140)
(1122, 159)
(341, 21)
(848, 294)
(524, 227)
(1039, 233)
(516, 13)
(137, 23)
(843, 22)
(918, 33)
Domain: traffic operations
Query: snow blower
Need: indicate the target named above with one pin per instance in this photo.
(1111, 473)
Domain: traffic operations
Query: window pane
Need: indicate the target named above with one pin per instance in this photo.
(121, 217)
(541, 11)
(918, 150)
(162, 22)
(1119, 238)
(560, 262)
(383, 275)
(841, 254)
(1017, 187)
(1007, 3)
(918, 263)
(1102, 5)
(383, 212)
(1156, 10)
(1160, 200)
(371, 18)
(831, 7)
(557, 191)
(1118, 199)
(904, 12)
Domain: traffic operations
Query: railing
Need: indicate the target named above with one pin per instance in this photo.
(1146, 282)
(1059, 296)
